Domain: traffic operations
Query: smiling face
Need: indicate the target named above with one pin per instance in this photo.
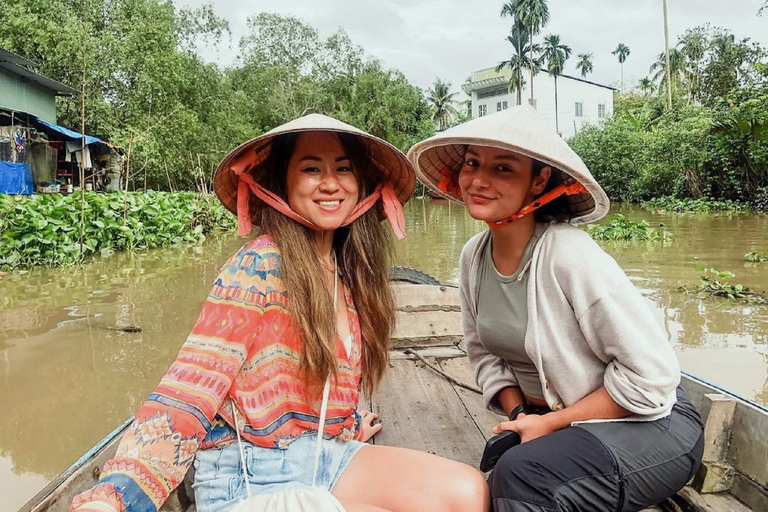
(495, 183)
(320, 183)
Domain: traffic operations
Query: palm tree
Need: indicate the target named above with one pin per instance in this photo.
(534, 14)
(442, 102)
(622, 51)
(584, 65)
(517, 36)
(693, 45)
(676, 73)
(555, 54)
(668, 66)
(646, 85)
(517, 62)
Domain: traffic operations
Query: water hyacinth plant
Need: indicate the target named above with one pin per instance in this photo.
(715, 282)
(45, 229)
(700, 205)
(756, 257)
(621, 228)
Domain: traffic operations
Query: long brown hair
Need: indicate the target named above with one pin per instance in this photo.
(363, 249)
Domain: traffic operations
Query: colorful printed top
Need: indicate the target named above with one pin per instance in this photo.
(244, 346)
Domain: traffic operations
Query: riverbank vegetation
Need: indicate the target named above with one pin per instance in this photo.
(45, 229)
(618, 227)
(698, 205)
(710, 146)
(147, 88)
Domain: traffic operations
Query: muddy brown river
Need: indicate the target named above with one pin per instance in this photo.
(68, 375)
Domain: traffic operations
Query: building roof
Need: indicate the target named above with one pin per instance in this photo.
(19, 66)
(492, 78)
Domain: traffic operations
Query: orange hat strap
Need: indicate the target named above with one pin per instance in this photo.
(393, 210)
(570, 187)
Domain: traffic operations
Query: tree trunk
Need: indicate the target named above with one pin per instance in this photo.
(557, 120)
(530, 45)
(666, 50)
(622, 76)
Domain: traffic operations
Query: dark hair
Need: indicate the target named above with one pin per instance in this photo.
(558, 210)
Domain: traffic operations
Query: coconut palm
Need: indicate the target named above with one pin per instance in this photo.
(518, 37)
(646, 86)
(534, 14)
(442, 102)
(676, 68)
(555, 54)
(521, 60)
(584, 65)
(693, 45)
(622, 52)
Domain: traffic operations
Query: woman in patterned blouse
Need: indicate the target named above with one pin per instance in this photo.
(271, 332)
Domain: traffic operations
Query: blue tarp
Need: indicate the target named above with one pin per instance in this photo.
(16, 178)
(89, 139)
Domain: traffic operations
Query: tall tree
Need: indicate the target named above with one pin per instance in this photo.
(666, 51)
(622, 52)
(693, 45)
(584, 65)
(646, 86)
(521, 60)
(518, 37)
(534, 14)
(668, 66)
(443, 102)
(556, 54)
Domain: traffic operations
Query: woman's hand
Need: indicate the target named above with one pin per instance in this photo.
(529, 426)
(368, 429)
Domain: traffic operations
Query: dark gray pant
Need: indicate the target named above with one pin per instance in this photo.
(621, 466)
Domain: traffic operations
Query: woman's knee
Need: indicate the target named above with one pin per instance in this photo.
(467, 491)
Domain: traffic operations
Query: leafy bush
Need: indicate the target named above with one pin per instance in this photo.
(621, 228)
(45, 229)
(702, 204)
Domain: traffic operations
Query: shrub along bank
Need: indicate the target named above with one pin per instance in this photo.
(45, 229)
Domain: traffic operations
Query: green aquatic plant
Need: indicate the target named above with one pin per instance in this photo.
(700, 205)
(715, 282)
(756, 257)
(45, 229)
(621, 228)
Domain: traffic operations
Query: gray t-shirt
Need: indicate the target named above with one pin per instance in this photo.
(502, 315)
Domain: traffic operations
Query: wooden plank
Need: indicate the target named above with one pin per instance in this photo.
(440, 352)
(461, 370)
(419, 294)
(422, 325)
(420, 410)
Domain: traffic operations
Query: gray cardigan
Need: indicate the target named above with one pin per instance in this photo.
(587, 326)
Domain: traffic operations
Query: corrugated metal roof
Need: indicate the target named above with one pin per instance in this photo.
(16, 65)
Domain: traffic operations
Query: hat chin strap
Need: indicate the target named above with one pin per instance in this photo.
(569, 187)
(393, 210)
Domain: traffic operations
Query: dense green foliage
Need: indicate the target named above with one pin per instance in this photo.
(712, 143)
(45, 229)
(146, 87)
(618, 227)
(700, 205)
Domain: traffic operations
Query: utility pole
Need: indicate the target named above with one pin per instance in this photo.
(666, 50)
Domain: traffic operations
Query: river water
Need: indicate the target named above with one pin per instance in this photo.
(68, 377)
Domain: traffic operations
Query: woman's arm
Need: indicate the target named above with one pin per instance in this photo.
(159, 446)
(596, 405)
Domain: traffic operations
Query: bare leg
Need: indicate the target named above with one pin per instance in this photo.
(402, 480)
(355, 506)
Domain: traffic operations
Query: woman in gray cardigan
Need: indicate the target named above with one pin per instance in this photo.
(560, 340)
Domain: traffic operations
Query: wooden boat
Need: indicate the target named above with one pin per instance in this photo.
(429, 371)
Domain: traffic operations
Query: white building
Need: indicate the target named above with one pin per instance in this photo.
(579, 101)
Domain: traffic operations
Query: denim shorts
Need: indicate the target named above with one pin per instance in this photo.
(219, 481)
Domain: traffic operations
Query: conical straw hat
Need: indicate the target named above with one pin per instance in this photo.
(387, 160)
(519, 129)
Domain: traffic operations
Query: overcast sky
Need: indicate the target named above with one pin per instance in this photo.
(451, 38)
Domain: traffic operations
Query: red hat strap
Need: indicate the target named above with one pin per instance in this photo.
(569, 187)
